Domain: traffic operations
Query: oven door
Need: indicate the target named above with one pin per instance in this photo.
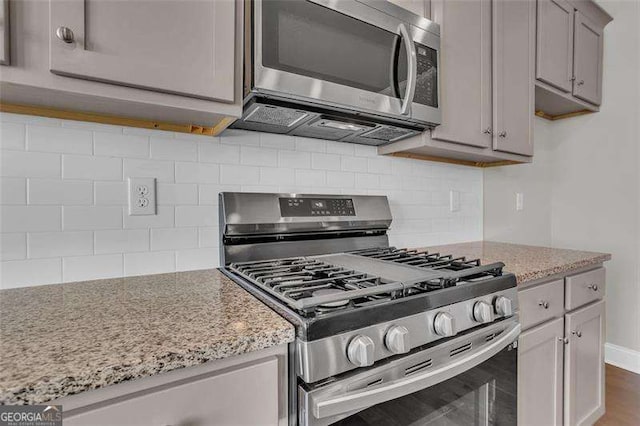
(469, 380)
(376, 57)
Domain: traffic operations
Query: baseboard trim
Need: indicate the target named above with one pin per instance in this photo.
(622, 357)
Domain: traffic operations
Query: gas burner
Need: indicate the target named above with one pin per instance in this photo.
(331, 305)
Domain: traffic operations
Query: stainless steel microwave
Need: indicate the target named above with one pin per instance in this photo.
(350, 70)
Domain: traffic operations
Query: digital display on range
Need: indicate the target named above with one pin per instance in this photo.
(305, 207)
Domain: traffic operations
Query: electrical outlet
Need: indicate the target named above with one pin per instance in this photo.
(454, 201)
(142, 196)
(519, 201)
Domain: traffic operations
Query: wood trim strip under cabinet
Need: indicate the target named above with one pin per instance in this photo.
(117, 121)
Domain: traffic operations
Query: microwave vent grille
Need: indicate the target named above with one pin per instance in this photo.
(387, 133)
(276, 116)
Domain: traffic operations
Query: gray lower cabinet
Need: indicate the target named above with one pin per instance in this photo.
(584, 359)
(561, 351)
(540, 375)
(249, 389)
(487, 73)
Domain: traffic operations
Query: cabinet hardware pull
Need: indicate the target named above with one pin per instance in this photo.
(487, 131)
(581, 82)
(65, 34)
(593, 287)
(544, 304)
(577, 333)
(564, 340)
(502, 134)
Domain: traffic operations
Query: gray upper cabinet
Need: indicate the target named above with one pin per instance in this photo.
(569, 57)
(584, 365)
(4, 33)
(540, 375)
(513, 65)
(181, 47)
(466, 72)
(587, 60)
(554, 50)
(419, 7)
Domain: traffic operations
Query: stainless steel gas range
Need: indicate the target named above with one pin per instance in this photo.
(383, 335)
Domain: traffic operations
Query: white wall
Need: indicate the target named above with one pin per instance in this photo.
(583, 189)
(63, 191)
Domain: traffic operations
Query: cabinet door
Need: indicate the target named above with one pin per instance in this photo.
(184, 47)
(4, 32)
(513, 70)
(587, 60)
(245, 396)
(554, 53)
(584, 365)
(465, 76)
(540, 368)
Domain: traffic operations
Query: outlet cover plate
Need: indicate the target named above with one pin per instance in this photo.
(142, 196)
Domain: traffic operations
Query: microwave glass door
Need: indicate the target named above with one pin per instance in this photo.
(482, 396)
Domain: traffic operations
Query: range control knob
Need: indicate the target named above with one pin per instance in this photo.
(397, 340)
(483, 312)
(444, 324)
(360, 351)
(503, 306)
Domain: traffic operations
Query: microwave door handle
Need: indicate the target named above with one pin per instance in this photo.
(412, 70)
(363, 398)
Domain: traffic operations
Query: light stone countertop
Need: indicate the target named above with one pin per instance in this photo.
(59, 340)
(528, 263)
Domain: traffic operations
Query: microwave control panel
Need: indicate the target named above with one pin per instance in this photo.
(311, 207)
(427, 79)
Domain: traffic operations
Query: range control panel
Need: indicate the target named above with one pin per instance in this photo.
(306, 207)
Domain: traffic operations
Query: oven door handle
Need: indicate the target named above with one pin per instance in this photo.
(363, 398)
(412, 70)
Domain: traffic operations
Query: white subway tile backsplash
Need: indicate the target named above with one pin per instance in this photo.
(85, 231)
(60, 192)
(173, 149)
(325, 161)
(83, 268)
(163, 171)
(239, 175)
(164, 218)
(155, 262)
(111, 193)
(120, 145)
(13, 190)
(13, 246)
(276, 176)
(177, 193)
(30, 218)
(29, 164)
(173, 238)
(91, 217)
(354, 164)
(215, 152)
(197, 173)
(196, 216)
(121, 241)
(58, 139)
(24, 273)
(12, 136)
(253, 156)
(293, 159)
(93, 168)
(204, 258)
(59, 244)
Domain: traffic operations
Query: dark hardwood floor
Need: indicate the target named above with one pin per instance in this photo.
(622, 398)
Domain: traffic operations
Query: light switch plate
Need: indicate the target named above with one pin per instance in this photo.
(454, 201)
(519, 201)
(142, 196)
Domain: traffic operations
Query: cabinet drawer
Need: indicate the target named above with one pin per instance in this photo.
(584, 288)
(541, 303)
(245, 396)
